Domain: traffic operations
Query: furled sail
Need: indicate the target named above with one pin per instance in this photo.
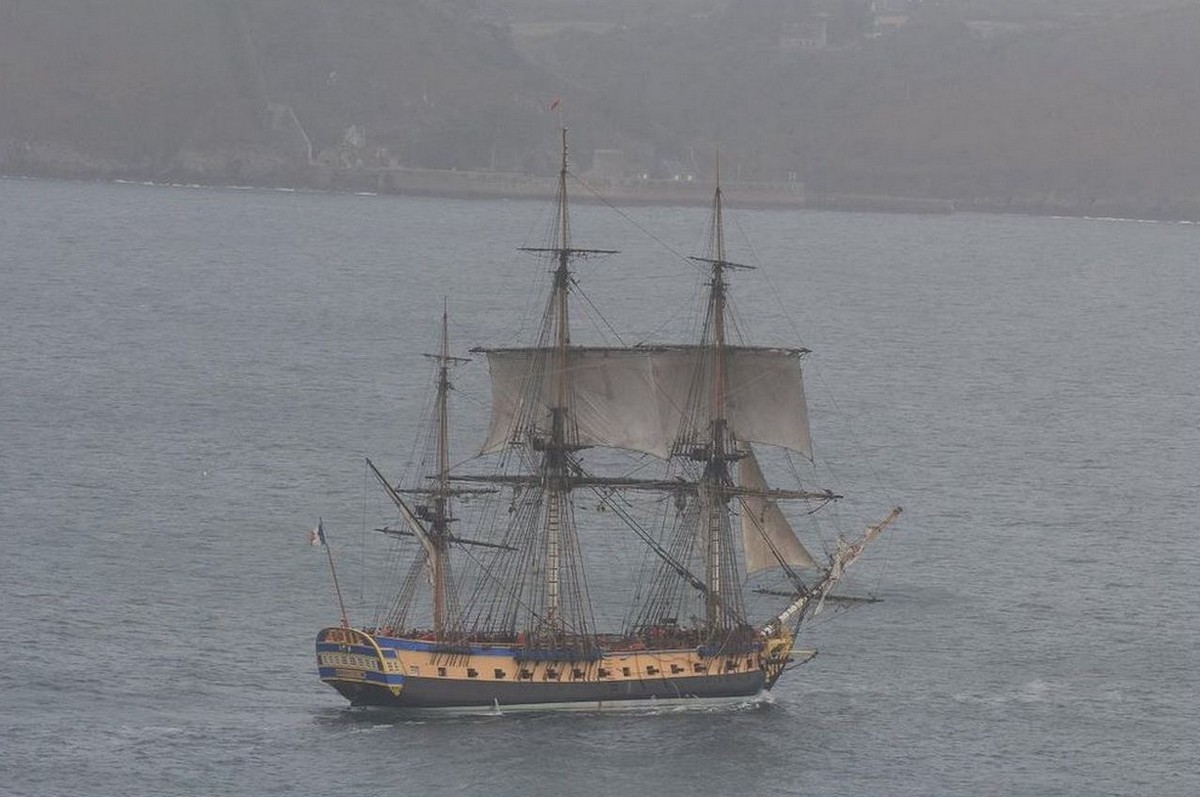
(641, 398)
(767, 537)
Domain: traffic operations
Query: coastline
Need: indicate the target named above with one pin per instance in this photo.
(453, 184)
(450, 184)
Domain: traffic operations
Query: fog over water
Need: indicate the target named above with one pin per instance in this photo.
(192, 376)
(226, 234)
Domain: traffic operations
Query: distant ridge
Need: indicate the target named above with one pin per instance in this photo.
(1098, 117)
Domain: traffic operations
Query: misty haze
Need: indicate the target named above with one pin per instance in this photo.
(1085, 107)
(514, 397)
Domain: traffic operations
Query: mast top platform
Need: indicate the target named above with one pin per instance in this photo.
(722, 263)
(569, 250)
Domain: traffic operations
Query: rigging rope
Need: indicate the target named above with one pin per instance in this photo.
(600, 315)
(640, 228)
(854, 438)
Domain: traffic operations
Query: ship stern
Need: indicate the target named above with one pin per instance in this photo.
(352, 662)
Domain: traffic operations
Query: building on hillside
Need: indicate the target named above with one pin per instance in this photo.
(990, 29)
(882, 7)
(809, 33)
(889, 23)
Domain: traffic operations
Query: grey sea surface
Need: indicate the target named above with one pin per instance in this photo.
(190, 377)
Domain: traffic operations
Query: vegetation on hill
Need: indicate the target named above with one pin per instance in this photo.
(1078, 106)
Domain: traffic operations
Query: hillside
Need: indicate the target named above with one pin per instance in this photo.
(1081, 106)
(128, 80)
(155, 86)
(1064, 117)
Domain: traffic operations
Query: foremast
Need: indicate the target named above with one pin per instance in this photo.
(723, 603)
(768, 540)
(732, 395)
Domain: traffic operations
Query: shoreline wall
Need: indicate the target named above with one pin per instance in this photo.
(265, 167)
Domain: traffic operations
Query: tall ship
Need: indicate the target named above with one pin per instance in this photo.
(501, 606)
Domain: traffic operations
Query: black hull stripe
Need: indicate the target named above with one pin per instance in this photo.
(442, 693)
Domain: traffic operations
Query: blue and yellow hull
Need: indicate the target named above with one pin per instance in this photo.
(372, 669)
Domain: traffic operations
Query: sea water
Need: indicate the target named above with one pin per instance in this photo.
(190, 377)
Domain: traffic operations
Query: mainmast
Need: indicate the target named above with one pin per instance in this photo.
(535, 411)
(555, 467)
(716, 473)
(556, 487)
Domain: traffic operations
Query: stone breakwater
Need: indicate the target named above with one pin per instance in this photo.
(265, 167)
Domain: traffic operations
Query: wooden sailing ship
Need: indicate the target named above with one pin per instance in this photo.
(520, 633)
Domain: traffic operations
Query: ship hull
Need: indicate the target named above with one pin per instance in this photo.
(388, 672)
(427, 695)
